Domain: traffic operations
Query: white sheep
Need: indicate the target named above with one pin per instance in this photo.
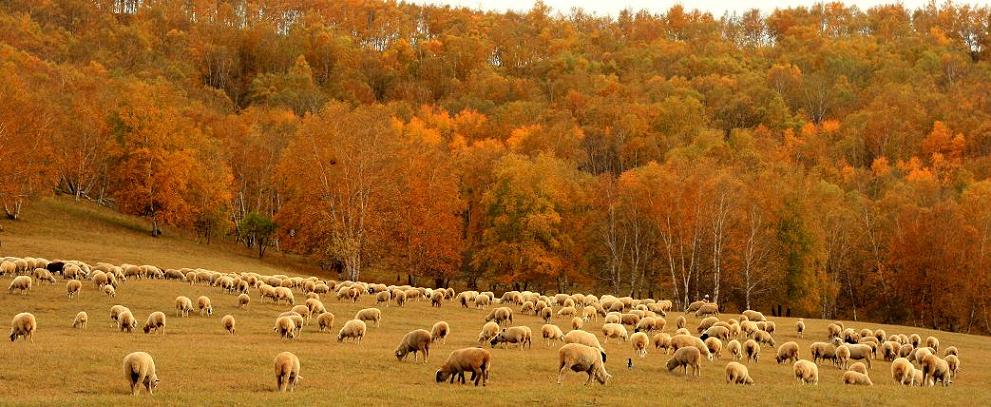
(243, 300)
(737, 373)
(856, 378)
(155, 322)
(80, 321)
(902, 372)
(205, 305)
(139, 369)
(582, 358)
(20, 283)
(285, 327)
(369, 314)
(72, 288)
(183, 306)
(325, 321)
(440, 329)
(126, 321)
(806, 372)
(550, 333)
(615, 331)
(686, 357)
(23, 325)
(286, 371)
(229, 323)
(640, 342)
(354, 329)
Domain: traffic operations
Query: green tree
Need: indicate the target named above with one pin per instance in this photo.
(256, 230)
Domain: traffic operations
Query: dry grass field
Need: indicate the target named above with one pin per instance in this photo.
(199, 364)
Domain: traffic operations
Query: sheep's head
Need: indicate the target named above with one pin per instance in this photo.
(601, 376)
(400, 354)
(154, 382)
(441, 375)
(147, 328)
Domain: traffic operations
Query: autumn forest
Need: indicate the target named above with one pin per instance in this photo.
(831, 160)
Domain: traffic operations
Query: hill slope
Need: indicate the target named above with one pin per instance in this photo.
(199, 364)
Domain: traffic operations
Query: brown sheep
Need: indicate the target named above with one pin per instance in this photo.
(478, 361)
(414, 342)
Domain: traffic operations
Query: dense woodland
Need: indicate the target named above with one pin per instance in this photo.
(831, 160)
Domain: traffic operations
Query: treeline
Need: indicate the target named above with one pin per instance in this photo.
(830, 160)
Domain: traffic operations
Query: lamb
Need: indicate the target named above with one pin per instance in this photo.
(353, 329)
(126, 321)
(183, 306)
(737, 373)
(229, 323)
(715, 346)
(500, 315)
(286, 371)
(520, 335)
(800, 327)
(857, 378)
(369, 314)
(932, 342)
(735, 349)
(20, 283)
(204, 305)
(640, 341)
(551, 332)
(414, 342)
(80, 321)
(935, 370)
(585, 338)
(285, 327)
(806, 372)
(751, 349)
(616, 331)
(72, 288)
(787, 352)
(582, 358)
(325, 321)
(489, 331)
(23, 325)
(155, 322)
(902, 372)
(243, 300)
(478, 361)
(439, 331)
(685, 357)
(139, 369)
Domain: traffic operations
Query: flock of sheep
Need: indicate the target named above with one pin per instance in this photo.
(914, 361)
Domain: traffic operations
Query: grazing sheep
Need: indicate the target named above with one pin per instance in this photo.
(551, 333)
(640, 341)
(582, 358)
(229, 323)
(800, 327)
(585, 338)
(400, 297)
(110, 291)
(615, 331)
(369, 314)
(951, 350)
(325, 321)
(285, 327)
(822, 351)
(857, 378)
(72, 288)
(546, 313)
(243, 300)
(735, 349)
(707, 309)
(500, 315)
(833, 330)
(935, 370)
(183, 306)
(41, 275)
(439, 331)
(715, 346)
(751, 350)
(353, 329)
(20, 283)
(414, 342)
(902, 372)
(115, 312)
(23, 325)
(303, 311)
(889, 350)
(787, 352)
(737, 373)
(685, 340)
(139, 369)
(859, 352)
(752, 315)
(80, 321)
(858, 367)
(953, 362)
(680, 322)
(806, 372)
(286, 371)
(520, 335)
(155, 322)
(764, 338)
(906, 350)
(685, 357)
(919, 353)
(126, 321)
(436, 299)
(489, 331)
(474, 360)
(915, 340)
(577, 323)
(204, 305)
(932, 342)
(720, 332)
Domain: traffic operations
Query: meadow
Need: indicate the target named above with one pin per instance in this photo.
(199, 364)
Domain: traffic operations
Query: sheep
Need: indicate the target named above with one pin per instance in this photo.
(478, 361)
(72, 288)
(822, 351)
(303, 311)
(751, 350)
(315, 306)
(919, 353)
(126, 321)
(243, 300)
(400, 297)
(737, 373)
(787, 352)
(285, 327)
(720, 332)
(889, 350)
(630, 319)
(858, 367)
(284, 294)
(413, 342)
(500, 315)
(582, 358)
(353, 329)
(155, 322)
(577, 323)
(735, 349)
(520, 335)
(20, 283)
(685, 357)
(902, 372)
(686, 340)
(369, 314)
(935, 370)
(833, 330)
(383, 297)
(613, 330)
(680, 322)
(585, 338)
(489, 331)
(204, 305)
(567, 312)
(183, 306)
(229, 323)
(859, 352)
(23, 325)
(715, 346)
(110, 291)
(856, 378)
(932, 342)
(115, 313)
(286, 371)
(953, 362)
(806, 372)
(80, 321)
(951, 350)
(764, 338)
(905, 350)
(800, 327)
(640, 341)
(707, 309)
(325, 321)
(551, 332)
(41, 274)
(436, 299)
(439, 331)
(139, 369)
(915, 340)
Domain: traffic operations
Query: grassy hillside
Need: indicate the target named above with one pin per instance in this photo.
(199, 364)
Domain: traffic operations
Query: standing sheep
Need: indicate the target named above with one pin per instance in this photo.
(204, 305)
(474, 360)
(932, 342)
(902, 372)
(551, 332)
(72, 288)
(139, 369)
(800, 327)
(285, 327)
(20, 283)
(585, 338)
(935, 370)
(680, 322)
(500, 315)
(80, 321)
(354, 329)
(440, 330)
(23, 325)
(577, 323)
(953, 362)
(685, 357)
(414, 342)
(737, 373)
(229, 323)
(325, 321)
(369, 314)
(715, 346)
(183, 306)
(286, 371)
(110, 291)
(155, 322)
(582, 358)
(126, 321)
(640, 341)
(243, 300)
(520, 335)
(787, 352)
(489, 331)
(735, 349)
(615, 331)
(751, 349)
(806, 372)
(951, 350)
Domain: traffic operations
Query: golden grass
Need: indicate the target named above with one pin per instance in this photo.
(199, 364)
